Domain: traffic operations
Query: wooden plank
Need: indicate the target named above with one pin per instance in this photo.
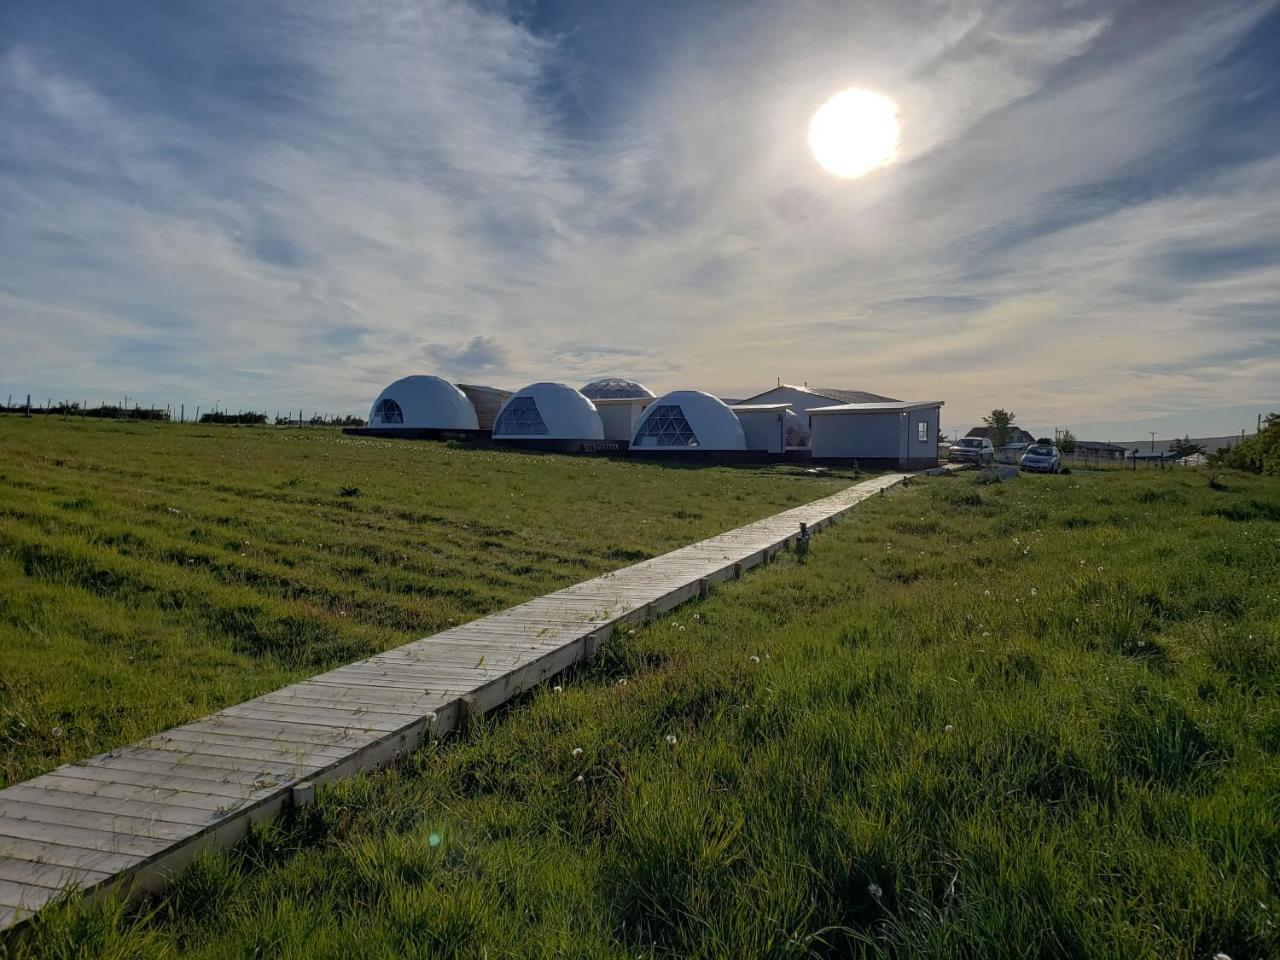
(36, 852)
(49, 875)
(78, 800)
(165, 796)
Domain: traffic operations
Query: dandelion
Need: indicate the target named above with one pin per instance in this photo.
(948, 729)
(431, 717)
(986, 593)
(1221, 956)
(622, 681)
(581, 779)
(1033, 591)
(557, 689)
(671, 739)
(754, 658)
(875, 891)
(57, 732)
(697, 616)
(577, 752)
(680, 628)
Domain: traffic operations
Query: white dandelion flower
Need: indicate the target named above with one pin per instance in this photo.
(754, 658)
(622, 681)
(671, 739)
(948, 729)
(577, 752)
(581, 779)
(874, 890)
(557, 689)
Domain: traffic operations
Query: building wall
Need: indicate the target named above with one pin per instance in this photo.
(487, 401)
(763, 429)
(888, 437)
(620, 419)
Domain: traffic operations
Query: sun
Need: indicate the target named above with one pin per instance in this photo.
(855, 132)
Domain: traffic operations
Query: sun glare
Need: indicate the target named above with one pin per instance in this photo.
(855, 132)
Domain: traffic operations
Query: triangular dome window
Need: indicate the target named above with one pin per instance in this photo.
(666, 426)
(388, 411)
(520, 418)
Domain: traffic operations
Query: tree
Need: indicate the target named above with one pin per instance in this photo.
(1067, 442)
(1001, 424)
(1259, 454)
(1184, 448)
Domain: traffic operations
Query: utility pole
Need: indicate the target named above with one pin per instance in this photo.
(1153, 441)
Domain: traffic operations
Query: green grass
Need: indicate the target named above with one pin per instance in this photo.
(1033, 719)
(152, 573)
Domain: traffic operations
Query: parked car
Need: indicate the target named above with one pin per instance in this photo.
(1041, 458)
(972, 450)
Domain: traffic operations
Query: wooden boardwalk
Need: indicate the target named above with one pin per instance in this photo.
(136, 815)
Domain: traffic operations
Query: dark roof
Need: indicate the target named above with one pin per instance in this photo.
(1016, 434)
(849, 396)
(830, 393)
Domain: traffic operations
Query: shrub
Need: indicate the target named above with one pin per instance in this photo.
(1259, 454)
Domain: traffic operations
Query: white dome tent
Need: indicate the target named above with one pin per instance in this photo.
(548, 412)
(688, 421)
(422, 403)
(616, 388)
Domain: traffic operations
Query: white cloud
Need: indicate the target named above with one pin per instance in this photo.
(403, 194)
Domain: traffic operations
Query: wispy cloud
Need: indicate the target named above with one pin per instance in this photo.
(301, 201)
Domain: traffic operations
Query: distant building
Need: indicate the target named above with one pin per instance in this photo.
(422, 403)
(1094, 450)
(552, 415)
(688, 422)
(1017, 436)
(892, 433)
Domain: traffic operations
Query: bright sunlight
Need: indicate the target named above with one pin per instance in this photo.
(855, 132)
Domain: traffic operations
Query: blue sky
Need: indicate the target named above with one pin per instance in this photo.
(266, 204)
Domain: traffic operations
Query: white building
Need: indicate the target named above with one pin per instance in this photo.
(688, 421)
(422, 403)
(620, 404)
(548, 412)
(896, 434)
(765, 425)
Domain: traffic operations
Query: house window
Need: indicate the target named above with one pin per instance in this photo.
(388, 411)
(666, 426)
(520, 418)
(922, 431)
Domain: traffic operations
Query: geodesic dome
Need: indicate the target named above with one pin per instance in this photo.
(616, 388)
(688, 420)
(548, 411)
(423, 403)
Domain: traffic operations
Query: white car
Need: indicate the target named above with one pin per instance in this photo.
(972, 450)
(1041, 458)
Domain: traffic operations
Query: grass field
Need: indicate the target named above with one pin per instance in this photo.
(1033, 719)
(151, 573)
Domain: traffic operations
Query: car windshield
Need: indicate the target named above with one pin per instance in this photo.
(969, 442)
(1040, 450)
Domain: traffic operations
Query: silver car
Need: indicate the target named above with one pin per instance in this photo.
(1041, 458)
(972, 450)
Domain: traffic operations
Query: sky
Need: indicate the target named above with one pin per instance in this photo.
(267, 204)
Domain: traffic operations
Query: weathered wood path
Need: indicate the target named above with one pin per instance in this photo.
(138, 814)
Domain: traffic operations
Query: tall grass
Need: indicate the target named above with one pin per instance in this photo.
(1034, 719)
(151, 573)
